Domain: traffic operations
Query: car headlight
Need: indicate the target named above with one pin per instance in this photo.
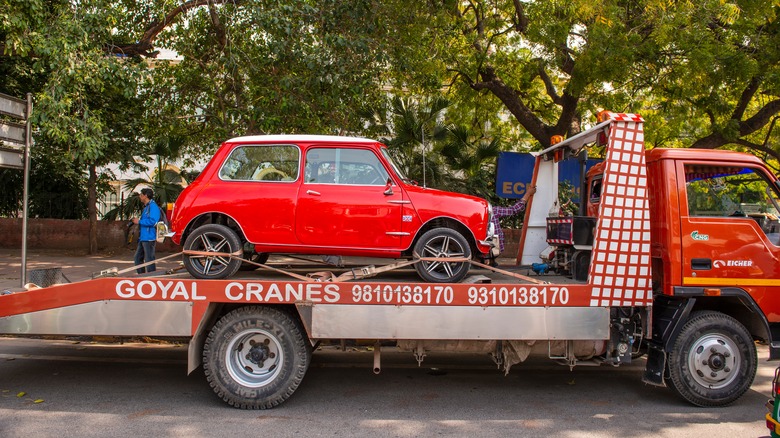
(491, 229)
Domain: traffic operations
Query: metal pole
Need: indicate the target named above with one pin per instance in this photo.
(27, 144)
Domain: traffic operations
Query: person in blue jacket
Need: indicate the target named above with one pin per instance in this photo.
(147, 238)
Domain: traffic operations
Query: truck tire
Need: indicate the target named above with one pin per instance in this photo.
(713, 361)
(212, 238)
(442, 242)
(255, 357)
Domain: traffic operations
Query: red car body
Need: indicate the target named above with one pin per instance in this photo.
(322, 195)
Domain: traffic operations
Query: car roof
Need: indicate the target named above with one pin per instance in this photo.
(294, 138)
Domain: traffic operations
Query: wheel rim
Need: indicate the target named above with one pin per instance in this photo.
(440, 247)
(210, 242)
(714, 361)
(254, 358)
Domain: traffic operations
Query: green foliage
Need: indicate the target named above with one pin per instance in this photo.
(56, 188)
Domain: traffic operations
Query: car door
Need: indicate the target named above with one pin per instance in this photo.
(344, 202)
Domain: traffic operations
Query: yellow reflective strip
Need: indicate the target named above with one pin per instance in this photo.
(707, 281)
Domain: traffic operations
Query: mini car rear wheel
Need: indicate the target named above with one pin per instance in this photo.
(441, 243)
(212, 238)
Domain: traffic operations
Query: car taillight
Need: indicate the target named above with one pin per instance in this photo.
(776, 383)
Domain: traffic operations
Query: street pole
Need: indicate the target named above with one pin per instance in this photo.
(27, 144)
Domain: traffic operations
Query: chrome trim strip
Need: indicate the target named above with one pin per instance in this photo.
(111, 318)
(398, 233)
(399, 201)
(334, 321)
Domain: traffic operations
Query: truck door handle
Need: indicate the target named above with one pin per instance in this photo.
(701, 264)
(312, 192)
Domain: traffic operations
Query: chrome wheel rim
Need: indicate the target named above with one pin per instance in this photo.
(210, 242)
(443, 247)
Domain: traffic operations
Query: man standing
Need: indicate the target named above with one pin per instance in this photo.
(147, 238)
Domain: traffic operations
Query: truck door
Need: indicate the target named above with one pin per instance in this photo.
(731, 235)
(343, 201)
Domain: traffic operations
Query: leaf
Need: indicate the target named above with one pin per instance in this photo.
(39, 400)
(21, 394)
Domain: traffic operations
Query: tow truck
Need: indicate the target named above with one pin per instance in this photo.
(663, 274)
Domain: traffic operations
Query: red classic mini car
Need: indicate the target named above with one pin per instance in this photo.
(324, 195)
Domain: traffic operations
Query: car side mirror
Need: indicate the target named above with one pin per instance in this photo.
(388, 187)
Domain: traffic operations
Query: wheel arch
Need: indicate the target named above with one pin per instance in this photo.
(445, 222)
(210, 316)
(214, 217)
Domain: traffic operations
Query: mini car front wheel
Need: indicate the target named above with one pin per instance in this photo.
(212, 238)
(442, 243)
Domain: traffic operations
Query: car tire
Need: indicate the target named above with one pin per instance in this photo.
(255, 357)
(712, 361)
(442, 242)
(212, 238)
(255, 257)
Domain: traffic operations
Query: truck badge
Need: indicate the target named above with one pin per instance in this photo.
(696, 236)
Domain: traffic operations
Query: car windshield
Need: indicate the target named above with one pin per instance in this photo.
(392, 163)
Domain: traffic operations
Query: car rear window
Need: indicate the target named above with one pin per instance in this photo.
(262, 163)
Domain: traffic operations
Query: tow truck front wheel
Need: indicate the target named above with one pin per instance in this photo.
(255, 357)
(442, 243)
(212, 238)
(713, 360)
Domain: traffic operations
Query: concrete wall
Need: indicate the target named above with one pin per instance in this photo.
(63, 234)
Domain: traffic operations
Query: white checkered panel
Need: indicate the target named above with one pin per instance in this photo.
(620, 262)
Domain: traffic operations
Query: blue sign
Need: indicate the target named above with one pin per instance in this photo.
(515, 170)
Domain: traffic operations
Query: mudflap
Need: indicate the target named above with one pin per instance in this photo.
(655, 366)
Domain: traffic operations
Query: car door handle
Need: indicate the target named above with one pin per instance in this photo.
(701, 264)
(312, 192)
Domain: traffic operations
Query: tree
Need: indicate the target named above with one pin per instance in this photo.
(553, 64)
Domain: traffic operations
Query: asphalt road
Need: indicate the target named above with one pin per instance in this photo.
(79, 388)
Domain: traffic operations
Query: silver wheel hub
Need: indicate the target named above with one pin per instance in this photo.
(714, 361)
(254, 358)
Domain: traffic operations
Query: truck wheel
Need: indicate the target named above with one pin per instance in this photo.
(212, 238)
(442, 242)
(255, 357)
(713, 360)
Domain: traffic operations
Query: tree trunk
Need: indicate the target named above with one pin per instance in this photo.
(92, 208)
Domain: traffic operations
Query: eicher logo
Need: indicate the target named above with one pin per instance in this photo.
(696, 236)
(722, 263)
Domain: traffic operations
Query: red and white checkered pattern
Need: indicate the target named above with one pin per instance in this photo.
(620, 262)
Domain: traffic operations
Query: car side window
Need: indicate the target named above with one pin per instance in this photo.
(262, 163)
(344, 166)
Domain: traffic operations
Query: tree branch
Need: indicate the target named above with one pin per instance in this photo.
(145, 46)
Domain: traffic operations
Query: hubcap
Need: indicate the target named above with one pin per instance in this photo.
(210, 242)
(440, 247)
(254, 358)
(714, 360)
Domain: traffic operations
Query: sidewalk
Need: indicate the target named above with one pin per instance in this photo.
(75, 266)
